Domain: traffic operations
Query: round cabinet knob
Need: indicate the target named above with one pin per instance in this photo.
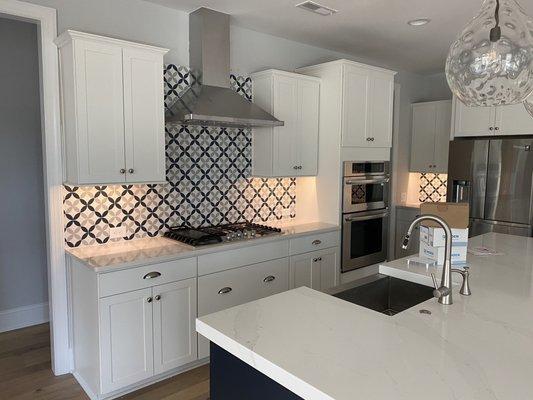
(491, 128)
(497, 128)
(368, 139)
(149, 299)
(300, 167)
(122, 171)
(295, 167)
(131, 171)
(158, 297)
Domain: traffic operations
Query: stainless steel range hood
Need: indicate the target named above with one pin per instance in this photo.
(210, 101)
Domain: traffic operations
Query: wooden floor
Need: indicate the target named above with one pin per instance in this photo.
(25, 373)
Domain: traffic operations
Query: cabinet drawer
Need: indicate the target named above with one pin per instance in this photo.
(221, 261)
(246, 283)
(137, 278)
(314, 242)
(240, 285)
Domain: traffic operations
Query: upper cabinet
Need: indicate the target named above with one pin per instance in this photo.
(367, 105)
(490, 121)
(431, 136)
(291, 149)
(112, 110)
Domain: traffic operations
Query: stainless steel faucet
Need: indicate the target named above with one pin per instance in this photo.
(443, 292)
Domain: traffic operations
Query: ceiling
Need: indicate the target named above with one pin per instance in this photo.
(375, 29)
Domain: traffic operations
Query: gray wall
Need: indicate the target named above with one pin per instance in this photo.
(23, 275)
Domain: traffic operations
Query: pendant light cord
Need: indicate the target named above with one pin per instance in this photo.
(496, 32)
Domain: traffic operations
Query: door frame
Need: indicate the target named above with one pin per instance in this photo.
(46, 20)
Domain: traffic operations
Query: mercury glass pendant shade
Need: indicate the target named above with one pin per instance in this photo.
(491, 62)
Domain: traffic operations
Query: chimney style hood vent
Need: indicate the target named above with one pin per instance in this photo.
(210, 101)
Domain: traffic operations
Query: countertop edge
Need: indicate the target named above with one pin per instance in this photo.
(261, 364)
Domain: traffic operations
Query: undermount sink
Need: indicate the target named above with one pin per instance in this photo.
(383, 293)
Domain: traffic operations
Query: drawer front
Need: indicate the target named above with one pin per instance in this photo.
(224, 260)
(314, 242)
(142, 277)
(246, 283)
(240, 285)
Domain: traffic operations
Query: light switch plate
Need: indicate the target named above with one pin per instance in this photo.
(118, 232)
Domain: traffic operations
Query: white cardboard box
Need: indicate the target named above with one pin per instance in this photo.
(436, 237)
(437, 253)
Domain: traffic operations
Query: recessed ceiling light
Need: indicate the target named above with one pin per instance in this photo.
(419, 21)
(316, 8)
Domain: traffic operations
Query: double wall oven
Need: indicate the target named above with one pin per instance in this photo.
(365, 213)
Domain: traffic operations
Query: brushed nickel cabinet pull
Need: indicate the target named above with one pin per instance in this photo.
(131, 171)
(149, 299)
(152, 275)
(225, 290)
(316, 242)
(158, 297)
(269, 278)
(122, 171)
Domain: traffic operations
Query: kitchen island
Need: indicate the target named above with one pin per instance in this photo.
(316, 346)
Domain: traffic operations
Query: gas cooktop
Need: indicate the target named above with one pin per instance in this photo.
(221, 233)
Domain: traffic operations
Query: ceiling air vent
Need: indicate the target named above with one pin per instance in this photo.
(316, 8)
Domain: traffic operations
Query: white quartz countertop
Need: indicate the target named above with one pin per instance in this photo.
(321, 347)
(126, 254)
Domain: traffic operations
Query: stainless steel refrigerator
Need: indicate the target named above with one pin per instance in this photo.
(495, 176)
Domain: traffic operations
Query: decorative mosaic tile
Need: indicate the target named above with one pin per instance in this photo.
(208, 183)
(433, 187)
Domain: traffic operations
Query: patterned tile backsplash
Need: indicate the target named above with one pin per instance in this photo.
(208, 183)
(432, 187)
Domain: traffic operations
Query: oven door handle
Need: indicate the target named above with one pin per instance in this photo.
(366, 217)
(366, 181)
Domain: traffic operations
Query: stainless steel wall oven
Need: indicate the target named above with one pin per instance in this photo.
(365, 211)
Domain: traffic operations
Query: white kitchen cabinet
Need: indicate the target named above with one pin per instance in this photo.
(291, 149)
(430, 136)
(174, 312)
(491, 121)
(112, 110)
(513, 120)
(133, 324)
(318, 269)
(126, 333)
(367, 105)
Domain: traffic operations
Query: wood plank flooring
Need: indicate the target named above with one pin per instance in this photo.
(25, 373)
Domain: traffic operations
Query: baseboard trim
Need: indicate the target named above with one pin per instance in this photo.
(21, 317)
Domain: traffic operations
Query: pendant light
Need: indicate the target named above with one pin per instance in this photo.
(491, 62)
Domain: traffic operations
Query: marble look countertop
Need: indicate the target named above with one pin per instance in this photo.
(321, 347)
(115, 256)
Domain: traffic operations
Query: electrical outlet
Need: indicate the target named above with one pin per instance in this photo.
(118, 232)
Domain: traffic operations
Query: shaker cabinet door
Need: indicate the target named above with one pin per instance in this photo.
(126, 350)
(355, 116)
(99, 113)
(285, 138)
(144, 116)
(175, 341)
(473, 121)
(380, 110)
(307, 134)
(513, 120)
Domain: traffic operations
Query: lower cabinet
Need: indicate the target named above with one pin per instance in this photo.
(318, 269)
(146, 332)
(236, 286)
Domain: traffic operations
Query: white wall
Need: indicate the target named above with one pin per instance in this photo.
(23, 272)
(134, 20)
